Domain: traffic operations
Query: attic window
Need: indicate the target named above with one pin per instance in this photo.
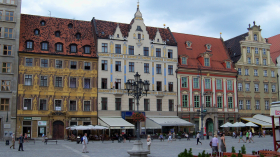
(228, 65)
(36, 32)
(139, 36)
(78, 36)
(167, 39)
(139, 28)
(255, 37)
(206, 62)
(43, 23)
(157, 40)
(118, 35)
(57, 34)
(189, 44)
(184, 60)
(208, 47)
(102, 33)
(70, 25)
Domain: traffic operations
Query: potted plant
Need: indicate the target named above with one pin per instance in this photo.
(254, 152)
(243, 149)
(233, 150)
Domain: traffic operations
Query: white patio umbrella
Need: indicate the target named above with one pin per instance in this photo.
(250, 124)
(82, 128)
(238, 124)
(98, 127)
(227, 124)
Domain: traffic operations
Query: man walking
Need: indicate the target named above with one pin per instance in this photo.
(13, 140)
(247, 137)
(251, 136)
(197, 138)
(85, 141)
(20, 142)
(215, 144)
(241, 137)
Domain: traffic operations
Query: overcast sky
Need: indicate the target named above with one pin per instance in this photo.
(198, 17)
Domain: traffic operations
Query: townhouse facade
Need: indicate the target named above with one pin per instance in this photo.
(9, 43)
(257, 73)
(206, 77)
(57, 76)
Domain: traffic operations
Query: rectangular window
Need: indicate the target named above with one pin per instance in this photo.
(264, 52)
(104, 65)
(146, 51)
(266, 104)
(208, 101)
(264, 61)
(45, 46)
(185, 100)
(196, 101)
(118, 102)
(131, 104)
(195, 83)
(1, 13)
(104, 83)
(228, 65)
(206, 62)
(8, 33)
(27, 104)
(247, 86)
(170, 53)
(44, 63)
(246, 72)
(256, 87)
(207, 84)
(219, 84)
(158, 86)
(118, 49)
(104, 47)
(184, 82)
(158, 52)
(171, 104)
(131, 66)
(118, 84)
(146, 67)
(146, 104)
(184, 60)
(73, 65)
(43, 104)
(9, 16)
(240, 104)
(265, 87)
(104, 103)
(257, 104)
(220, 102)
(230, 102)
(5, 85)
(58, 64)
(257, 61)
(255, 72)
(131, 50)
(139, 36)
(248, 50)
(7, 50)
(58, 81)
(6, 67)
(73, 82)
(44, 81)
(265, 73)
(10, 1)
(272, 74)
(158, 68)
(170, 69)
(86, 105)
(249, 60)
(57, 105)
(229, 84)
(87, 83)
(159, 104)
(118, 65)
(240, 87)
(170, 86)
(59, 47)
(28, 80)
(248, 104)
(72, 105)
(87, 65)
(87, 49)
(273, 88)
(256, 50)
(239, 71)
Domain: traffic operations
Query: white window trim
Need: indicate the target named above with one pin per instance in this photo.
(209, 83)
(90, 66)
(76, 64)
(182, 81)
(41, 62)
(31, 80)
(47, 81)
(55, 63)
(23, 104)
(84, 105)
(62, 109)
(33, 61)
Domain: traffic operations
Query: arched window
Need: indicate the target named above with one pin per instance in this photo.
(43, 23)
(36, 32)
(87, 49)
(57, 33)
(29, 44)
(73, 48)
(44, 46)
(78, 35)
(255, 37)
(70, 25)
(59, 47)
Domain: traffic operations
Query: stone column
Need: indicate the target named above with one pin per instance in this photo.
(225, 95)
(191, 94)
(214, 93)
(179, 93)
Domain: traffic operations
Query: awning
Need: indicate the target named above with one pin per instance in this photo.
(115, 123)
(158, 122)
(258, 122)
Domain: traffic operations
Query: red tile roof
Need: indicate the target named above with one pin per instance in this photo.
(47, 33)
(218, 51)
(105, 28)
(275, 47)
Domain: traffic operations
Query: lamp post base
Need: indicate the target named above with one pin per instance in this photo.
(137, 150)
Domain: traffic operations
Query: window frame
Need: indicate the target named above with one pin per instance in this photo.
(8, 33)
(104, 48)
(59, 47)
(256, 87)
(196, 101)
(5, 85)
(170, 53)
(9, 17)
(44, 81)
(28, 44)
(104, 65)
(184, 60)
(89, 105)
(146, 104)
(146, 68)
(118, 66)
(159, 104)
(207, 83)
(158, 68)
(87, 80)
(185, 101)
(145, 51)
(59, 65)
(131, 66)
(220, 104)
(207, 62)
(71, 107)
(43, 106)
(219, 84)
(4, 104)
(131, 50)
(195, 83)
(76, 65)
(171, 105)
(25, 105)
(7, 50)
(104, 84)
(44, 63)
(44, 46)
(87, 65)
(159, 85)
(7, 68)
(104, 103)
(72, 80)
(158, 52)
(229, 85)
(58, 82)
(184, 83)
(73, 48)
(247, 89)
(118, 48)
(28, 77)
(118, 104)
(170, 69)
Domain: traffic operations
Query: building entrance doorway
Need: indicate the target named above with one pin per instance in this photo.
(209, 126)
(58, 130)
(26, 128)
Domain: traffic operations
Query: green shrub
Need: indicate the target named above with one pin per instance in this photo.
(199, 155)
(186, 153)
(233, 155)
(239, 154)
(243, 149)
(207, 155)
(233, 150)
(261, 155)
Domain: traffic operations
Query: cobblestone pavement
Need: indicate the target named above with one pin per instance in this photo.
(109, 149)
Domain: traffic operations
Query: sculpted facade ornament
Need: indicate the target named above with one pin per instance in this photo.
(35, 104)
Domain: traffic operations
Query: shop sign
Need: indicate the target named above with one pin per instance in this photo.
(42, 123)
(27, 118)
(275, 111)
(58, 108)
(36, 118)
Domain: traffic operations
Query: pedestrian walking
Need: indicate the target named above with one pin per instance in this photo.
(161, 137)
(187, 136)
(85, 142)
(197, 138)
(20, 142)
(247, 137)
(251, 136)
(263, 133)
(223, 143)
(260, 134)
(215, 144)
(124, 137)
(241, 137)
(149, 143)
(43, 137)
(13, 141)
(25, 137)
(170, 137)
(174, 136)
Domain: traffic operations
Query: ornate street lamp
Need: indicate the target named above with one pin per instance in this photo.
(137, 89)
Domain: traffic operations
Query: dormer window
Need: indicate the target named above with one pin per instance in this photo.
(36, 32)
(87, 49)
(118, 35)
(73, 48)
(70, 25)
(59, 47)
(157, 40)
(139, 28)
(44, 46)
(29, 45)
(208, 47)
(255, 37)
(78, 36)
(184, 60)
(57, 34)
(189, 44)
(43, 23)
(206, 62)
(228, 65)
(139, 36)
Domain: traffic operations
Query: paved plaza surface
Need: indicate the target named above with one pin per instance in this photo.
(109, 149)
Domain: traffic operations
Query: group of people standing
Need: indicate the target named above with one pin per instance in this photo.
(214, 143)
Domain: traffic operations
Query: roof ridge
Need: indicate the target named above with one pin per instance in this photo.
(196, 35)
(54, 17)
(236, 36)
